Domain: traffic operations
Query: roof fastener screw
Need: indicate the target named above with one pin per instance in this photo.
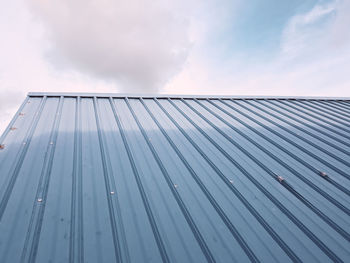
(21, 114)
(231, 181)
(175, 185)
(2, 146)
(24, 143)
(40, 200)
(280, 179)
(323, 174)
(112, 193)
(51, 143)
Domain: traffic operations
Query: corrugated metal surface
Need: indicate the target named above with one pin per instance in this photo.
(129, 179)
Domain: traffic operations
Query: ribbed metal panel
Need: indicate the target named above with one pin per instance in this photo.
(118, 178)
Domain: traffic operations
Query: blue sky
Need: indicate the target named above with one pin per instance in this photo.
(255, 28)
(270, 47)
(275, 47)
(259, 25)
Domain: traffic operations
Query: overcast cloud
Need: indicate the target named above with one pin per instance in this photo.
(138, 43)
(295, 48)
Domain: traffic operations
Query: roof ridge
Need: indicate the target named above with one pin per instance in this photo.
(175, 96)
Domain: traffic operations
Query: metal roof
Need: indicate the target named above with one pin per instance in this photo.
(128, 178)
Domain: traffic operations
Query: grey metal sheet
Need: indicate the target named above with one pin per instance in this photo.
(141, 178)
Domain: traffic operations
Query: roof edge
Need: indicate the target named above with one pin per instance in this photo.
(137, 95)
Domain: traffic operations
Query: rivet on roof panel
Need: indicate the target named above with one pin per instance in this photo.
(323, 174)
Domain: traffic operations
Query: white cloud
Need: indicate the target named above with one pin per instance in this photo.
(138, 43)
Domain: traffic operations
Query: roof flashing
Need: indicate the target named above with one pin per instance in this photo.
(179, 96)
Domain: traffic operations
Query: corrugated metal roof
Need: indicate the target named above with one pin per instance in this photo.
(127, 178)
